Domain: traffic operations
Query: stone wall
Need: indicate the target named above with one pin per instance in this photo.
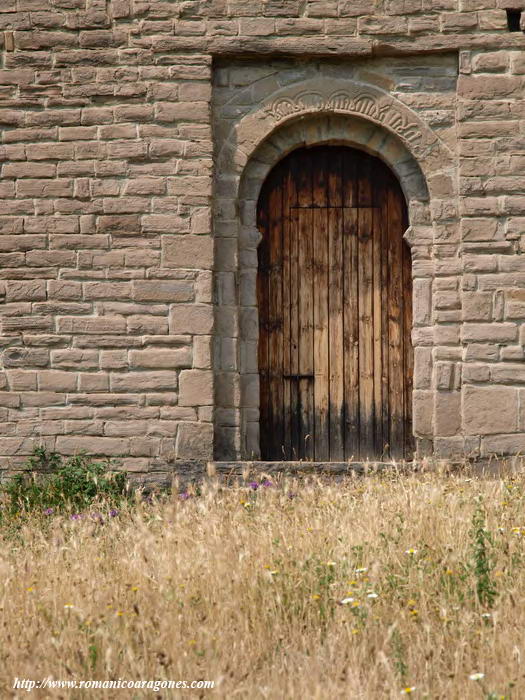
(107, 165)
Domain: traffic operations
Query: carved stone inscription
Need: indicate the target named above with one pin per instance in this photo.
(381, 109)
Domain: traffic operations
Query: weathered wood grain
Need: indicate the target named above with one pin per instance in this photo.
(335, 303)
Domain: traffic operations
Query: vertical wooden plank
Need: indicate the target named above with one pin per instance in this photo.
(395, 319)
(321, 386)
(377, 330)
(351, 334)
(384, 418)
(293, 387)
(275, 341)
(288, 232)
(262, 301)
(306, 295)
(335, 178)
(366, 335)
(295, 438)
(351, 163)
(367, 171)
(336, 349)
(321, 336)
(306, 335)
(379, 314)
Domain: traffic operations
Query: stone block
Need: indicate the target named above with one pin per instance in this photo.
(477, 306)
(475, 373)
(422, 302)
(194, 252)
(171, 291)
(503, 445)
(144, 381)
(515, 304)
(423, 410)
(93, 445)
(155, 358)
(91, 325)
(194, 441)
(55, 380)
(202, 352)
(21, 380)
(194, 319)
(382, 25)
(422, 368)
(25, 357)
(26, 290)
(490, 410)
(196, 387)
(93, 381)
(490, 332)
(447, 413)
(354, 8)
(73, 358)
(508, 373)
(447, 375)
(456, 447)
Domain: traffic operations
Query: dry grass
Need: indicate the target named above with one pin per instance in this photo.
(244, 587)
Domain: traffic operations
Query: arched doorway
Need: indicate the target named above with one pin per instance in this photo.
(334, 291)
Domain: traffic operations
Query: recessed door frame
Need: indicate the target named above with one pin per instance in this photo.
(236, 331)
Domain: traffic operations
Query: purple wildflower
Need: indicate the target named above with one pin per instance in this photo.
(266, 483)
(253, 485)
(49, 511)
(76, 516)
(97, 516)
(184, 496)
(113, 513)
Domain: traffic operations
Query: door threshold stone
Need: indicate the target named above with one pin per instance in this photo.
(299, 467)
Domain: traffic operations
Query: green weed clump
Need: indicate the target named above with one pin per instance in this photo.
(53, 483)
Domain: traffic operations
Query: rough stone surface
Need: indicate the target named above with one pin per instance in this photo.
(135, 139)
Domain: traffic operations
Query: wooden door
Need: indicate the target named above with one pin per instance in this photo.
(334, 291)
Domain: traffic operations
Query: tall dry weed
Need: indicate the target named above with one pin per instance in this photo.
(298, 589)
